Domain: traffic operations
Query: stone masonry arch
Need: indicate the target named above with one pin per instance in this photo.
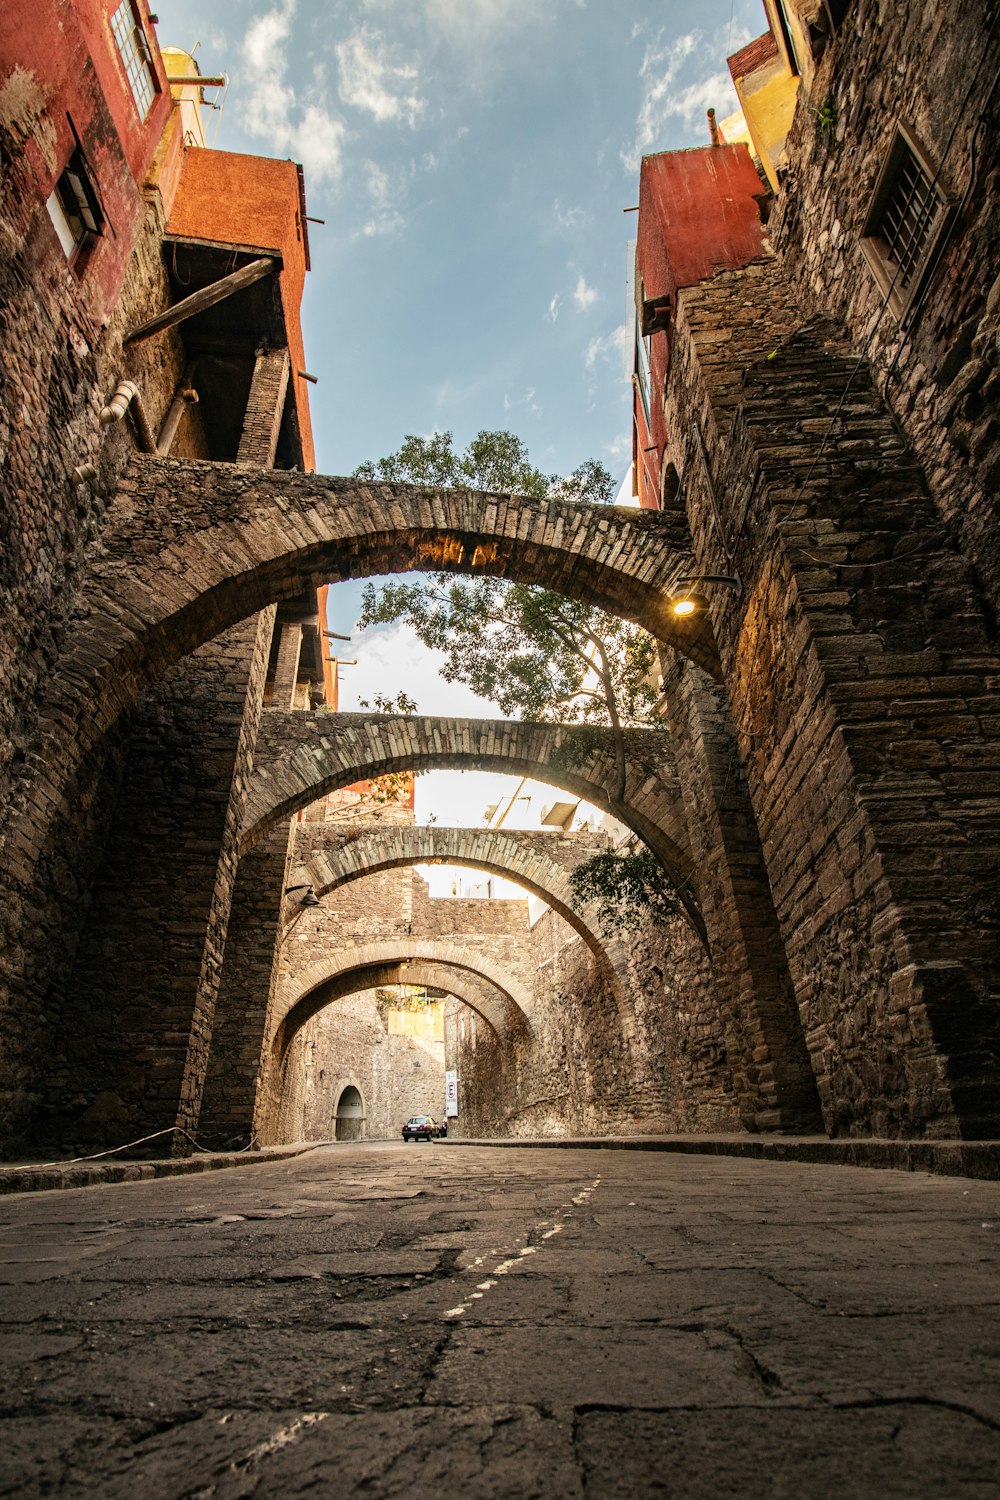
(501, 1001)
(188, 549)
(494, 1007)
(191, 548)
(301, 757)
(541, 862)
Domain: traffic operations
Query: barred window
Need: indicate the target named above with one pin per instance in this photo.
(133, 49)
(908, 215)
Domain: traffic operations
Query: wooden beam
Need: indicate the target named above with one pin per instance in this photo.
(217, 291)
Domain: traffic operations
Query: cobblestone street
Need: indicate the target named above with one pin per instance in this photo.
(420, 1321)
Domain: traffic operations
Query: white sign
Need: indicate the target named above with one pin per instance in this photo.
(450, 1093)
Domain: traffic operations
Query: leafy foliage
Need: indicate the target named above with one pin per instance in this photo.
(394, 786)
(383, 704)
(533, 652)
(625, 888)
(494, 461)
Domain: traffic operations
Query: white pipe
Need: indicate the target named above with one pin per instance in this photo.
(126, 396)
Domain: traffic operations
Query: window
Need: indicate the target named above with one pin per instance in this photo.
(908, 216)
(137, 60)
(75, 210)
(643, 378)
(786, 37)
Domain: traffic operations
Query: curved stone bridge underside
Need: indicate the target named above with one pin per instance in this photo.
(302, 756)
(458, 967)
(540, 862)
(191, 548)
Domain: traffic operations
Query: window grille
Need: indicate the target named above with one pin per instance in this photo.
(908, 215)
(136, 58)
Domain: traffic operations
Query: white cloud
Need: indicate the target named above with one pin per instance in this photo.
(273, 111)
(666, 101)
(568, 219)
(620, 447)
(391, 659)
(370, 81)
(583, 295)
(607, 346)
(385, 193)
(526, 402)
(553, 311)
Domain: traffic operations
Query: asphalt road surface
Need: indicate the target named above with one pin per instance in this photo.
(448, 1321)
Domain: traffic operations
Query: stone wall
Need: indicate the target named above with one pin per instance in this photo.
(59, 369)
(600, 1061)
(932, 67)
(350, 1044)
(60, 366)
(130, 1030)
(860, 674)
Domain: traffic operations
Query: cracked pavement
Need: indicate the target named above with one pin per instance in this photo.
(419, 1321)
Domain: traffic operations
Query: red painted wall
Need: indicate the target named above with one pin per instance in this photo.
(698, 214)
(62, 56)
(251, 200)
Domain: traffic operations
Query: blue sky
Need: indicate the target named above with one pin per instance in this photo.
(472, 160)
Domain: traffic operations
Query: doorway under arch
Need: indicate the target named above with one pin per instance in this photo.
(349, 1121)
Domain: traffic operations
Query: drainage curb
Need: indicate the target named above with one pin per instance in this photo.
(944, 1158)
(49, 1179)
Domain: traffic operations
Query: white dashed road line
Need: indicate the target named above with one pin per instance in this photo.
(547, 1228)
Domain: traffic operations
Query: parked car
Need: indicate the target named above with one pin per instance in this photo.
(423, 1128)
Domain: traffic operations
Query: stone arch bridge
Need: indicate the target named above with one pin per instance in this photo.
(301, 757)
(440, 963)
(540, 862)
(192, 548)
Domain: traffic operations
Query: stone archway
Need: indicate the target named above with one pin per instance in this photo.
(540, 862)
(192, 548)
(301, 757)
(503, 1003)
(349, 1116)
(458, 969)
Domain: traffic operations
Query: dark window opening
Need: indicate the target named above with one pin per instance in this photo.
(908, 215)
(75, 210)
(786, 36)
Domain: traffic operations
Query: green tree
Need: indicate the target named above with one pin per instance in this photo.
(535, 653)
(623, 887)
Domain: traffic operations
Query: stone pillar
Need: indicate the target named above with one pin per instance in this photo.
(286, 670)
(861, 674)
(772, 1077)
(143, 992)
(244, 1003)
(262, 422)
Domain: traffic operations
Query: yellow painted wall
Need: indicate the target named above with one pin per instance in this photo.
(768, 100)
(424, 1025)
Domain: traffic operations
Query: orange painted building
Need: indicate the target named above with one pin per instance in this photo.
(257, 204)
(698, 214)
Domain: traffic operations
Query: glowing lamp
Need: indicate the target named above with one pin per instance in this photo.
(684, 607)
